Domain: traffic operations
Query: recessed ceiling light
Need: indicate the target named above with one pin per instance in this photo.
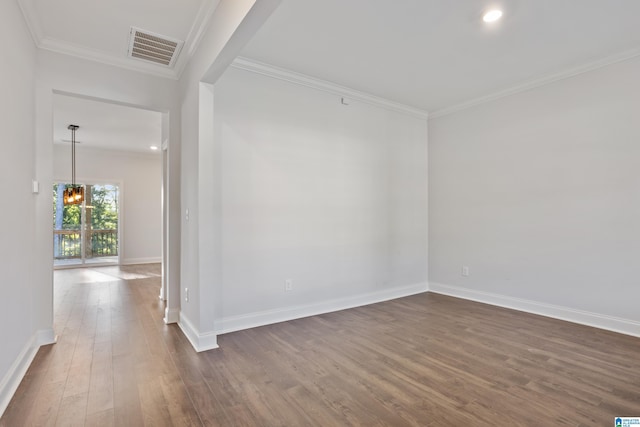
(153, 147)
(492, 15)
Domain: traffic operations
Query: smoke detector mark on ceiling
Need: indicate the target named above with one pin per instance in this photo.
(156, 48)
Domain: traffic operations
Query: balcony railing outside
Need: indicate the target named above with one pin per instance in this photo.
(100, 243)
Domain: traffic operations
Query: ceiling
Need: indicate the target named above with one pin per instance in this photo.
(99, 30)
(432, 55)
(436, 54)
(106, 126)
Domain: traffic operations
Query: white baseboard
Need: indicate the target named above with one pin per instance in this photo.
(171, 315)
(46, 337)
(602, 321)
(199, 341)
(19, 368)
(132, 261)
(253, 320)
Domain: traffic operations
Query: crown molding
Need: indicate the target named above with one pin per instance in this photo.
(82, 52)
(201, 20)
(32, 20)
(542, 81)
(325, 86)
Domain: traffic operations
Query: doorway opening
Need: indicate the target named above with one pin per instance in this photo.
(117, 233)
(87, 233)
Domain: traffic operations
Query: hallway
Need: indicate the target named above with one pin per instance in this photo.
(111, 361)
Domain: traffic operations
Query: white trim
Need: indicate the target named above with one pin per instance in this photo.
(253, 320)
(18, 369)
(602, 321)
(196, 32)
(32, 20)
(171, 315)
(541, 81)
(200, 341)
(83, 52)
(85, 265)
(147, 260)
(201, 20)
(324, 86)
(157, 109)
(16, 373)
(46, 337)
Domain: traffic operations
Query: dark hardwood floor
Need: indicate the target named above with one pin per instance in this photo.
(425, 360)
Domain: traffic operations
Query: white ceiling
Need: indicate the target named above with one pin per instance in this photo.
(106, 126)
(435, 54)
(99, 30)
(427, 54)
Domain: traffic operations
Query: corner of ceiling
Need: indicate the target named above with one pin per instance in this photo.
(79, 51)
(202, 18)
(32, 20)
(539, 81)
(257, 67)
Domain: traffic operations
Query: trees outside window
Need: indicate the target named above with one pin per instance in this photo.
(88, 230)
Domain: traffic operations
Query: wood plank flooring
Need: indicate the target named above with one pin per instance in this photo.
(425, 360)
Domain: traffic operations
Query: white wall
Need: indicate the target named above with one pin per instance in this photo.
(539, 194)
(231, 26)
(332, 197)
(140, 177)
(17, 112)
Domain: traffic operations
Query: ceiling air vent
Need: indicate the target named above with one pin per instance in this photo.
(152, 47)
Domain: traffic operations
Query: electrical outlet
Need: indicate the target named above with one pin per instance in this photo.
(186, 294)
(288, 285)
(465, 271)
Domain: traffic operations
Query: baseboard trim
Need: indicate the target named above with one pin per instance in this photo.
(133, 261)
(596, 320)
(18, 369)
(171, 315)
(46, 337)
(262, 318)
(199, 341)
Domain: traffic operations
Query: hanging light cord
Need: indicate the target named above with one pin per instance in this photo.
(73, 157)
(73, 153)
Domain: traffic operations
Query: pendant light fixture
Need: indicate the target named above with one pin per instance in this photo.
(73, 195)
